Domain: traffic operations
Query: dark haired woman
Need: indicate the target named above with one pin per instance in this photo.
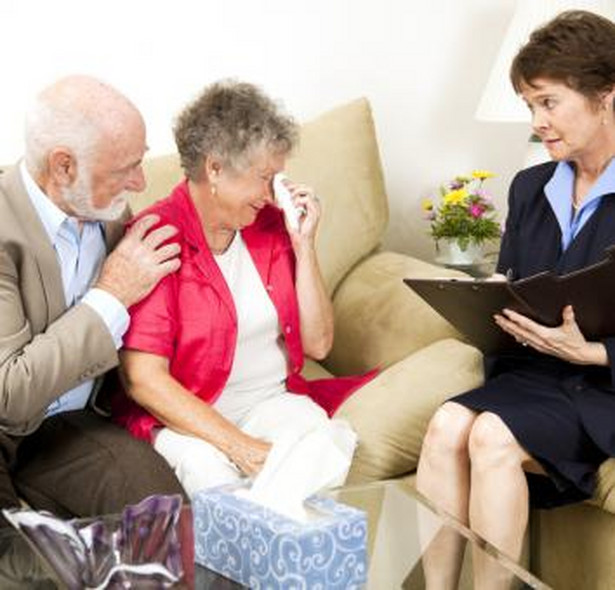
(543, 422)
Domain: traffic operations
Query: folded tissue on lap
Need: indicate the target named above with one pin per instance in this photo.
(260, 548)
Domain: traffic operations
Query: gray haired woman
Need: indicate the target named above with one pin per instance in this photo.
(213, 358)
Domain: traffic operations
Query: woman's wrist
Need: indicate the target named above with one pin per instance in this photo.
(594, 353)
(305, 248)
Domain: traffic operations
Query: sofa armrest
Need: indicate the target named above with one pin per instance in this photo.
(390, 414)
(378, 319)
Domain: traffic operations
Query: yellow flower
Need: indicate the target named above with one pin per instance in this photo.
(482, 174)
(455, 197)
(427, 205)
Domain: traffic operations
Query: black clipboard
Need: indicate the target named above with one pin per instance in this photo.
(469, 305)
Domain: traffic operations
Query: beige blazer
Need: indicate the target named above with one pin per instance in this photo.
(45, 348)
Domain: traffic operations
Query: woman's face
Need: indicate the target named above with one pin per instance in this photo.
(241, 194)
(569, 125)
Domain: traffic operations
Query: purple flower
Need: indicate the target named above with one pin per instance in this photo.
(484, 196)
(455, 185)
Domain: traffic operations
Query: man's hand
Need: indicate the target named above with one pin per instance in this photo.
(139, 261)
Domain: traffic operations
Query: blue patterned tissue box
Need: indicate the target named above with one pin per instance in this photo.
(259, 548)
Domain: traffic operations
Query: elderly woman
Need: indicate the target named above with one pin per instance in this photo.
(213, 357)
(545, 418)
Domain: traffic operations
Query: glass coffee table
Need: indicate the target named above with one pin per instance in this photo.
(411, 545)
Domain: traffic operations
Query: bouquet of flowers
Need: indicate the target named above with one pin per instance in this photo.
(465, 213)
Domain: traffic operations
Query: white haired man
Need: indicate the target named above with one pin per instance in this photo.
(63, 302)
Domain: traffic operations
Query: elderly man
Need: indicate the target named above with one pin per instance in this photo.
(63, 302)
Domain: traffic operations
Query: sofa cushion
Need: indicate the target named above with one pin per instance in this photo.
(338, 156)
(162, 173)
(378, 319)
(604, 496)
(390, 414)
(314, 370)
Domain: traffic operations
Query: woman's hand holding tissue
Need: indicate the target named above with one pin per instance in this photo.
(249, 454)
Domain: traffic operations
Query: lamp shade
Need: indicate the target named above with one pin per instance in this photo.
(499, 101)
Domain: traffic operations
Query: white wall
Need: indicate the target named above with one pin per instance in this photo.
(421, 64)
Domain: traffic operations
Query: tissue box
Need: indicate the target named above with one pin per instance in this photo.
(261, 549)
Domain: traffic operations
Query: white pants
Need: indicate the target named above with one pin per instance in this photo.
(198, 464)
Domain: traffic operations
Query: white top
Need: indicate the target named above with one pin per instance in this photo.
(80, 255)
(260, 363)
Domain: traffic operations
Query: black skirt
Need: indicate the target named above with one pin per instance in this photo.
(550, 410)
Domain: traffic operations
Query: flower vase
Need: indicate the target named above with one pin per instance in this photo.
(452, 254)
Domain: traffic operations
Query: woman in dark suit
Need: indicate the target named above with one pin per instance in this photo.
(543, 422)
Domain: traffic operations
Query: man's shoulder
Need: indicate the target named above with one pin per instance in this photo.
(21, 233)
(10, 202)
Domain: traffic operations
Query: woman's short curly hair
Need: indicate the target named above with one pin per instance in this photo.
(577, 48)
(230, 120)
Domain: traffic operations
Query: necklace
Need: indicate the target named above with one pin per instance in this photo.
(577, 202)
(228, 238)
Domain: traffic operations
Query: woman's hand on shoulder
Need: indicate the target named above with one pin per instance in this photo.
(565, 341)
(249, 454)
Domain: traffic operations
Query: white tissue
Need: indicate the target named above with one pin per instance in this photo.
(301, 464)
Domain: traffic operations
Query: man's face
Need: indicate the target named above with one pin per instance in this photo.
(100, 191)
(78, 198)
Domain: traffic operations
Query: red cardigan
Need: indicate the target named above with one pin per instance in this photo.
(190, 317)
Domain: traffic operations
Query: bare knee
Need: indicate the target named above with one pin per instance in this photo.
(449, 429)
(492, 443)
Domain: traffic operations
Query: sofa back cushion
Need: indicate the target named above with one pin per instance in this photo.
(338, 156)
(162, 173)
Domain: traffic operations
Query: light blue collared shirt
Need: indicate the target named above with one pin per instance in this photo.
(80, 256)
(559, 191)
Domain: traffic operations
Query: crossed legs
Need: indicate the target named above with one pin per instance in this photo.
(472, 467)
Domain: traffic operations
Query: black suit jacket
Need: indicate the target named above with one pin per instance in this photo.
(45, 348)
(532, 239)
(532, 244)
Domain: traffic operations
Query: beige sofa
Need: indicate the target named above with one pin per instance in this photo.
(381, 323)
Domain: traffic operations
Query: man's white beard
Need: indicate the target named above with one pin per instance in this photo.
(79, 198)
